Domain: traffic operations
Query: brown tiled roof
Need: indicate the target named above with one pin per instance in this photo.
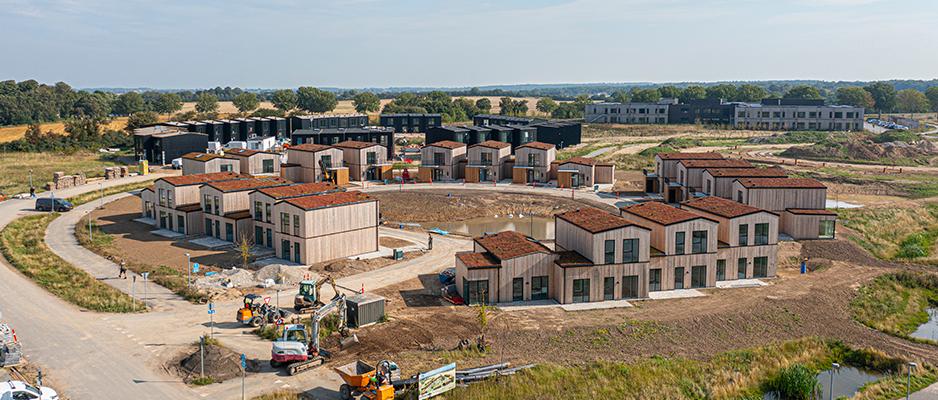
(724, 163)
(151, 188)
(196, 156)
(329, 200)
(510, 244)
(478, 260)
(189, 207)
(247, 184)
(243, 214)
(594, 221)
(571, 259)
(303, 189)
(584, 161)
(807, 211)
(447, 144)
(690, 156)
(243, 152)
(354, 144)
(492, 144)
(538, 145)
(771, 172)
(661, 213)
(310, 147)
(782, 183)
(184, 180)
(720, 206)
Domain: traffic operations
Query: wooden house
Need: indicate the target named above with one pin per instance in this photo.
(442, 161)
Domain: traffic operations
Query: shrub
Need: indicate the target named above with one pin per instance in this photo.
(795, 382)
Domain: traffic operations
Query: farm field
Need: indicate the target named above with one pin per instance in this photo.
(11, 133)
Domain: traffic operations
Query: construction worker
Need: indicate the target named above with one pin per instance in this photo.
(123, 270)
(32, 192)
(429, 242)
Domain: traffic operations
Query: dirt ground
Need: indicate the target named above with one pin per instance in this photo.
(423, 330)
(221, 363)
(344, 267)
(441, 205)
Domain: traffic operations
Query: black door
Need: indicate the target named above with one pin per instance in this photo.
(517, 289)
(630, 286)
(654, 279)
(539, 288)
(679, 278)
(698, 276)
(581, 290)
(609, 288)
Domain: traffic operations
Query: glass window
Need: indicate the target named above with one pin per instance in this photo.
(539, 288)
(826, 230)
(762, 234)
(371, 157)
(517, 289)
(268, 166)
(654, 279)
(476, 291)
(741, 268)
(679, 277)
(630, 286)
(258, 211)
(679, 242)
(721, 270)
(267, 213)
(207, 204)
(744, 234)
(609, 288)
(217, 205)
(610, 252)
(296, 225)
(284, 222)
(760, 267)
(629, 250)
(699, 242)
(296, 253)
(581, 290)
(698, 276)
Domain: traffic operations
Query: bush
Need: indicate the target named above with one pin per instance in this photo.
(896, 136)
(795, 382)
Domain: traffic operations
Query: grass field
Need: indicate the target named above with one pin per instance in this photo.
(14, 132)
(896, 303)
(901, 233)
(15, 168)
(22, 244)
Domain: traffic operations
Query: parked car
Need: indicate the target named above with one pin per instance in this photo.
(53, 204)
(177, 163)
(15, 390)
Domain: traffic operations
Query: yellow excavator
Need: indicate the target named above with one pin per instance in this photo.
(309, 298)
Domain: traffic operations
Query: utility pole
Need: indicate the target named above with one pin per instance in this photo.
(188, 269)
(202, 354)
(908, 384)
(90, 234)
(830, 391)
(133, 298)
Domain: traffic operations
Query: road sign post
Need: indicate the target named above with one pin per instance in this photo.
(244, 364)
(202, 354)
(145, 276)
(133, 299)
(211, 321)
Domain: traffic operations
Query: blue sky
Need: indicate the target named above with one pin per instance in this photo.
(382, 43)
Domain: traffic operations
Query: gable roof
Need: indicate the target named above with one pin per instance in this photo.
(492, 144)
(595, 221)
(244, 152)
(329, 200)
(196, 156)
(310, 147)
(478, 260)
(662, 213)
(781, 183)
(722, 207)
(447, 144)
(247, 184)
(770, 172)
(354, 144)
(809, 211)
(677, 156)
(583, 161)
(723, 163)
(303, 189)
(184, 180)
(538, 145)
(510, 244)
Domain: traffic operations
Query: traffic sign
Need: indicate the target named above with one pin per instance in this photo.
(195, 268)
(267, 300)
(210, 311)
(145, 275)
(244, 361)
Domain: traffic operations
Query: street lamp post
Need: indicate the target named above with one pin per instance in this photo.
(908, 384)
(830, 389)
(188, 270)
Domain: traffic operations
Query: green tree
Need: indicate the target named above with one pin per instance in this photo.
(569, 110)
(141, 119)
(484, 104)
(649, 95)
(168, 103)
(206, 103)
(693, 93)
(546, 105)
(723, 91)
(912, 101)
(366, 102)
(91, 105)
(314, 100)
(83, 130)
(884, 96)
(620, 96)
(932, 94)
(669, 92)
(751, 93)
(803, 92)
(246, 102)
(508, 106)
(855, 96)
(284, 100)
(128, 103)
(267, 112)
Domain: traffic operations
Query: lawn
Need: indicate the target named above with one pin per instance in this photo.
(22, 245)
(15, 168)
(896, 303)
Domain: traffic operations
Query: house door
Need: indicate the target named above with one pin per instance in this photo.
(162, 220)
(741, 268)
(483, 174)
(575, 180)
(208, 227)
(259, 235)
(285, 249)
(218, 230)
(370, 174)
(229, 232)
(270, 238)
(630, 287)
(679, 278)
(475, 291)
(437, 174)
(517, 289)
(539, 288)
(760, 267)
(181, 224)
(530, 177)
(581, 290)
(296, 253)
(698, 276)
(609, 288)
(654, 280)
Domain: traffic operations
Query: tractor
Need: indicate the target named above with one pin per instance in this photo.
(255, 313)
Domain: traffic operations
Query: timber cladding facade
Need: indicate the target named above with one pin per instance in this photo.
(442, 161)
(176, 201)
(582, 171)
(365, 160)
(323, 227)
(532, 162)
(226, 207)
(313, 162)
(486, 161)
(719, 181)
(255, 162)
(204, 163)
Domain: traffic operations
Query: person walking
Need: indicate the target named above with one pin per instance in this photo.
(429, 242)
(123, 270)
(32, 192)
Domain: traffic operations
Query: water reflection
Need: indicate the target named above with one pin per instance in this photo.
(541, 228)
(847, 380)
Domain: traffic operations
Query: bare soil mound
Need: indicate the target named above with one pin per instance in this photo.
(821, 251)
(221, 364)
(865, 150)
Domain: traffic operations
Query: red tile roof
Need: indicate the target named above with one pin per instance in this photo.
(594, 221)
(310, 147)
(510, 244)
(583, 161)
(720, 206)
(771, 172)
(724, 163)
(690, 156)
(781, 183)
(196, 156)
(571, 259)
(492, 144)
(184, 180)
(329, 200)
(303, 189)
(447, 144)
(478, 260)
(353, 144)
(247, 184)
(538, 145)
(806, 211)
(661, 213)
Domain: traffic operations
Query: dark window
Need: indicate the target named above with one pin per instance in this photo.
(679, 242)
(679, 278)
(476, 291)
(208, 227)
(270, 238)
(296, 225)
(539, 288)
(760, 267)
(296, 253)
(371, 157)
(762, 234)
(741, 268)
(284, 223)
(744, 234)
(721, 270)
(267, 213)
(268, 166)
(629, 250)
(654, 279)
(630, 286)
(581, 290)
(517, 289)
(698, 276)
(229, 232)
(217, 205)
(258, 211)
(739, 196)
(826, 230)
(285, 249)
(609, 288)
(610, 252)
(699, 242)
(259, 235)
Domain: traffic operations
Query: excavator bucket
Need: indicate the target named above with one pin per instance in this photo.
(350, 341)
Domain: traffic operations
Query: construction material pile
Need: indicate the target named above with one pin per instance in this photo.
(221, 364)
(10, 351)
(62, 181)
(474, 374)
(116, 172)
(268, 276)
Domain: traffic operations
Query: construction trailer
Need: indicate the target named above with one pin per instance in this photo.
(365, 309)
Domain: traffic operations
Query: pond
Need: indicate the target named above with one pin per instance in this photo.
(928, 330)
(847, 380)
(540, 228)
